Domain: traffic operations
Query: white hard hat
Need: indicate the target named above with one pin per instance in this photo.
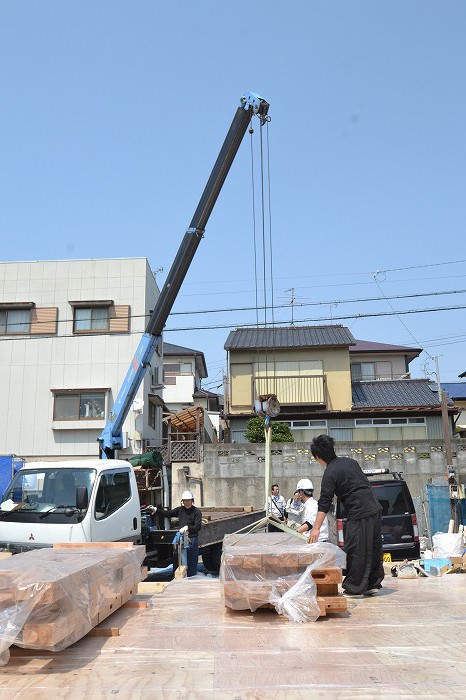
(187, 495)
(304, 485)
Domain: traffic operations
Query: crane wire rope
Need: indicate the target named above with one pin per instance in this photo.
(251, 131)
(271, 258)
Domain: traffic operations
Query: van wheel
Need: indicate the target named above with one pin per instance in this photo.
(211, 557)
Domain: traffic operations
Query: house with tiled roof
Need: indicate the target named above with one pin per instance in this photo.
(329, 382)
(183, 370)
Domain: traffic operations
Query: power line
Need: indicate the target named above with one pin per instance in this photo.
(285, 322)
(326, 318)
(320, 319)
(318, 303)
(336, 274)
(418, 267)
(398, 315)
(321, 286)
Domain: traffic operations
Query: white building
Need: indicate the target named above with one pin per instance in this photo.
(183, 369)
(68, 332)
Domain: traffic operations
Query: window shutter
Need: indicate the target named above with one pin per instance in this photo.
(44, 320)
(118, 317)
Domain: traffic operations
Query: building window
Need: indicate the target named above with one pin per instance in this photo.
(309, 424)
(362, 422)
(371, 371)
(79, 406)
(173, 370)
(15, 321)
(95, 318)
(113, 491)
(152, 415)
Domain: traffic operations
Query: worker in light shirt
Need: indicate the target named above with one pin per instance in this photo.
(306, 491)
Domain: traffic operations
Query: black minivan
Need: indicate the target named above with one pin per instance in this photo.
(400, 532)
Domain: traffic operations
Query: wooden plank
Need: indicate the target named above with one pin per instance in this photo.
(93, 545)
(5, 555)
(152, 586)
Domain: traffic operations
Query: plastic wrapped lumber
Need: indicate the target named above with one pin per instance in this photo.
(298, 579)
(50, 598)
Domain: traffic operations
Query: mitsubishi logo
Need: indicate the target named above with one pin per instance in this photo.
(31, 537)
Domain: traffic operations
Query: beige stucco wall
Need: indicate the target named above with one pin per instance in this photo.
(335, 364)
(398, 361)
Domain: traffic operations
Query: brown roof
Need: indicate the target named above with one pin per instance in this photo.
(367, 346)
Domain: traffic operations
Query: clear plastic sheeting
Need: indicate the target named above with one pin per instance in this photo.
(275, 569)
(50, 598)
(446, 544)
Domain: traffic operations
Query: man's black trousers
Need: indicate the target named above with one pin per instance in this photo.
(363, 547)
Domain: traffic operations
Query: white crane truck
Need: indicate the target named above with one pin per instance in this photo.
(98, 500)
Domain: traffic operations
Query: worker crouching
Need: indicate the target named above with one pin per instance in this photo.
(190, 521)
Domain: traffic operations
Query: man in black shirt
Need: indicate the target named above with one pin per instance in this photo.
(190, 521)
(344, 478)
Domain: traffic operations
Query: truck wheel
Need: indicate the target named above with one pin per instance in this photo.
(211, 557)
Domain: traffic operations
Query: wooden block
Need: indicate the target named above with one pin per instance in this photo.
(181, 572)
(306, 558)
(5, 555)
(140, 604)
(332, 604)
(50, 634)
(104, 632)
(287, 560)
(327, 589)
(328, 575)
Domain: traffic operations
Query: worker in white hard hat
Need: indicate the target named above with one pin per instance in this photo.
(189, 521)
(294, 511)
(306, 492)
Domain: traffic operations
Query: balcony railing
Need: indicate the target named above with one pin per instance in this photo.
(292, 390)
(180, 447)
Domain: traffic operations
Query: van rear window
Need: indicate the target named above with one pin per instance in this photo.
(391, 498)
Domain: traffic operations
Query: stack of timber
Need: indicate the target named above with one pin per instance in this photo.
(261, 569)
(50, 598)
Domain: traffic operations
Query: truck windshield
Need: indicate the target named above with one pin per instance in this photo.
(44, 489)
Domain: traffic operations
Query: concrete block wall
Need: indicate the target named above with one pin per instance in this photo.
(233, 474)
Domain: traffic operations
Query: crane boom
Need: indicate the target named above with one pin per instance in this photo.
(111, 437)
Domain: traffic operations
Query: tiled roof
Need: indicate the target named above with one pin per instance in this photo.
(289, 337)
(170, 349)
(393, 394)
(367, 346)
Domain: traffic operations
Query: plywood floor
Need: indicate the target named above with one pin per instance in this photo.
(408, 642)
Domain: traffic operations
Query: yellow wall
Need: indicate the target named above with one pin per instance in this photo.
(336, 369)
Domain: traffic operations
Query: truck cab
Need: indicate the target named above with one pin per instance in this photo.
(70, 501)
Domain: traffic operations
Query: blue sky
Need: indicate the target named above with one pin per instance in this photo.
(113, 114)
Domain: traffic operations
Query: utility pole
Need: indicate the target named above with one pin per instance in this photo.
(446, 428)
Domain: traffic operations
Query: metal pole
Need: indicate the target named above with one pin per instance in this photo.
(437, 374)
(268, 453)
(449, 458)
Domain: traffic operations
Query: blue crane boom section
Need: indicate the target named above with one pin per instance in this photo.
(111, 437)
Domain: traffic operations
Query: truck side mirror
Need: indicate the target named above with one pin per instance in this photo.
(82, 497)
